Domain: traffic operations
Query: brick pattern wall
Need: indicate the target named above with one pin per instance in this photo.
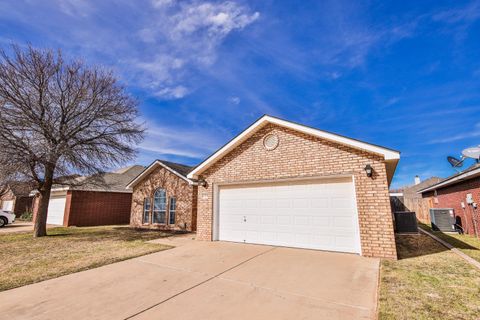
(185, 194)
(453, 196)
(86, 208)
(21, 204)
(301, 155)
(7, 196)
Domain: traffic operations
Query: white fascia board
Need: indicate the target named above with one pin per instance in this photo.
(388, 154)
(396, 194)
(150, 169)
(466, 175)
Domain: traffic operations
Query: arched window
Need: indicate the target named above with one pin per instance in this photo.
(146, 210)
(159, 206)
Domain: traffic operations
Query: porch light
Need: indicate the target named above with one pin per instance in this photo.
(369, 170)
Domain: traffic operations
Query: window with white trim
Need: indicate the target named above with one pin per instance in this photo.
(146, 210)
(172, 210)
(159, 206)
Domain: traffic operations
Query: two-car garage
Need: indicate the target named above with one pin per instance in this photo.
(314, 214)
(284, 184)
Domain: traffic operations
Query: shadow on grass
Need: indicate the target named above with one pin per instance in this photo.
(454, 241)
(416, 245)
(99, 234)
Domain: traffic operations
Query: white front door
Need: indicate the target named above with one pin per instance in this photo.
(319, 214)
(56, 210)
(7, 205)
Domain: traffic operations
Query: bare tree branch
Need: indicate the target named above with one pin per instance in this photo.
(59, 119)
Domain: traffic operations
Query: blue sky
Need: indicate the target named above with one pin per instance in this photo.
(405, 75)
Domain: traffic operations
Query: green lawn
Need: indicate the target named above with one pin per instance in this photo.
(428, 282)
(468, 244)
(26, 260)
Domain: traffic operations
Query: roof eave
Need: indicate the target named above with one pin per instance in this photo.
(452, 181)
(388, 154)
(150, 168)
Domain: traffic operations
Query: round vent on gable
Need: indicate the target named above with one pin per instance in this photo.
(270, 141)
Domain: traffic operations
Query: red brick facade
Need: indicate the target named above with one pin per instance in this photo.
(452, 197)
(175, 186)
(89, 208)
(302, 155)
(21, 204)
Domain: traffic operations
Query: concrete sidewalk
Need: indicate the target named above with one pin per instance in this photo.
(208, 280)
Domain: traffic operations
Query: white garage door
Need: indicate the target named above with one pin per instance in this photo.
(317, 214)
(56, 210)
(7, 205)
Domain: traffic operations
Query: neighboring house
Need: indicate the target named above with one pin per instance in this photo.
(164, 198)
(408, 199)
(15, 197)
(285, 184)
(93, 201)
(461, 193)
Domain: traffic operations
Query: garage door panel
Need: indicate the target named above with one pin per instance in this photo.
(312, 215)
(56, 210)
(7, 205)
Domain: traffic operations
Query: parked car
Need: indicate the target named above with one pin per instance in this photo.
(6, 217)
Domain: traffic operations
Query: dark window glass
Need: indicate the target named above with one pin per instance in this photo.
(146, 210)
(159, 206)
(172, 210)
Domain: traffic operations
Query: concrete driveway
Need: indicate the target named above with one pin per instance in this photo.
(17, 226)
(208, 280)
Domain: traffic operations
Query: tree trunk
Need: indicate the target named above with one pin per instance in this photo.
(40, 226)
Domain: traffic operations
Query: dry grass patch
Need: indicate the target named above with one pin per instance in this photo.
(428, 282)
(470, 245)
(25, 260)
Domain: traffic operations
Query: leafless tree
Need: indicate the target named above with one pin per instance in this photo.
(59, 118)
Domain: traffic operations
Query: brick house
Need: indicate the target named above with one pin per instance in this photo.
(461, 193)
(282, 183)
(15, 197)
(92, 201)
(164, 198)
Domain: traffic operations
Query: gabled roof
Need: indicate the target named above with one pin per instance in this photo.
(178, 169)
(391, 156)
(18, 188)
(115, 181)
(470, 173)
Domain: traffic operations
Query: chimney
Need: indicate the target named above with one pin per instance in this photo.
(417, 179)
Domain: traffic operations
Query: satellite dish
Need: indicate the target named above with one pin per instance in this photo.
(456, 163)
(473, 152)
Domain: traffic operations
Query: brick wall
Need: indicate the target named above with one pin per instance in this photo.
(453, 196)
(7, 196)
(301, 155)
(86, 208)
(185, 194)
(21, 204)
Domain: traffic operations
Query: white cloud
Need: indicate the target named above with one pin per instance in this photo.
(162, 3)
(234, 100)
(172, 93)
(467, 14)
(460, 136)
(184, 35)
(180, 141)
(75, 8)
